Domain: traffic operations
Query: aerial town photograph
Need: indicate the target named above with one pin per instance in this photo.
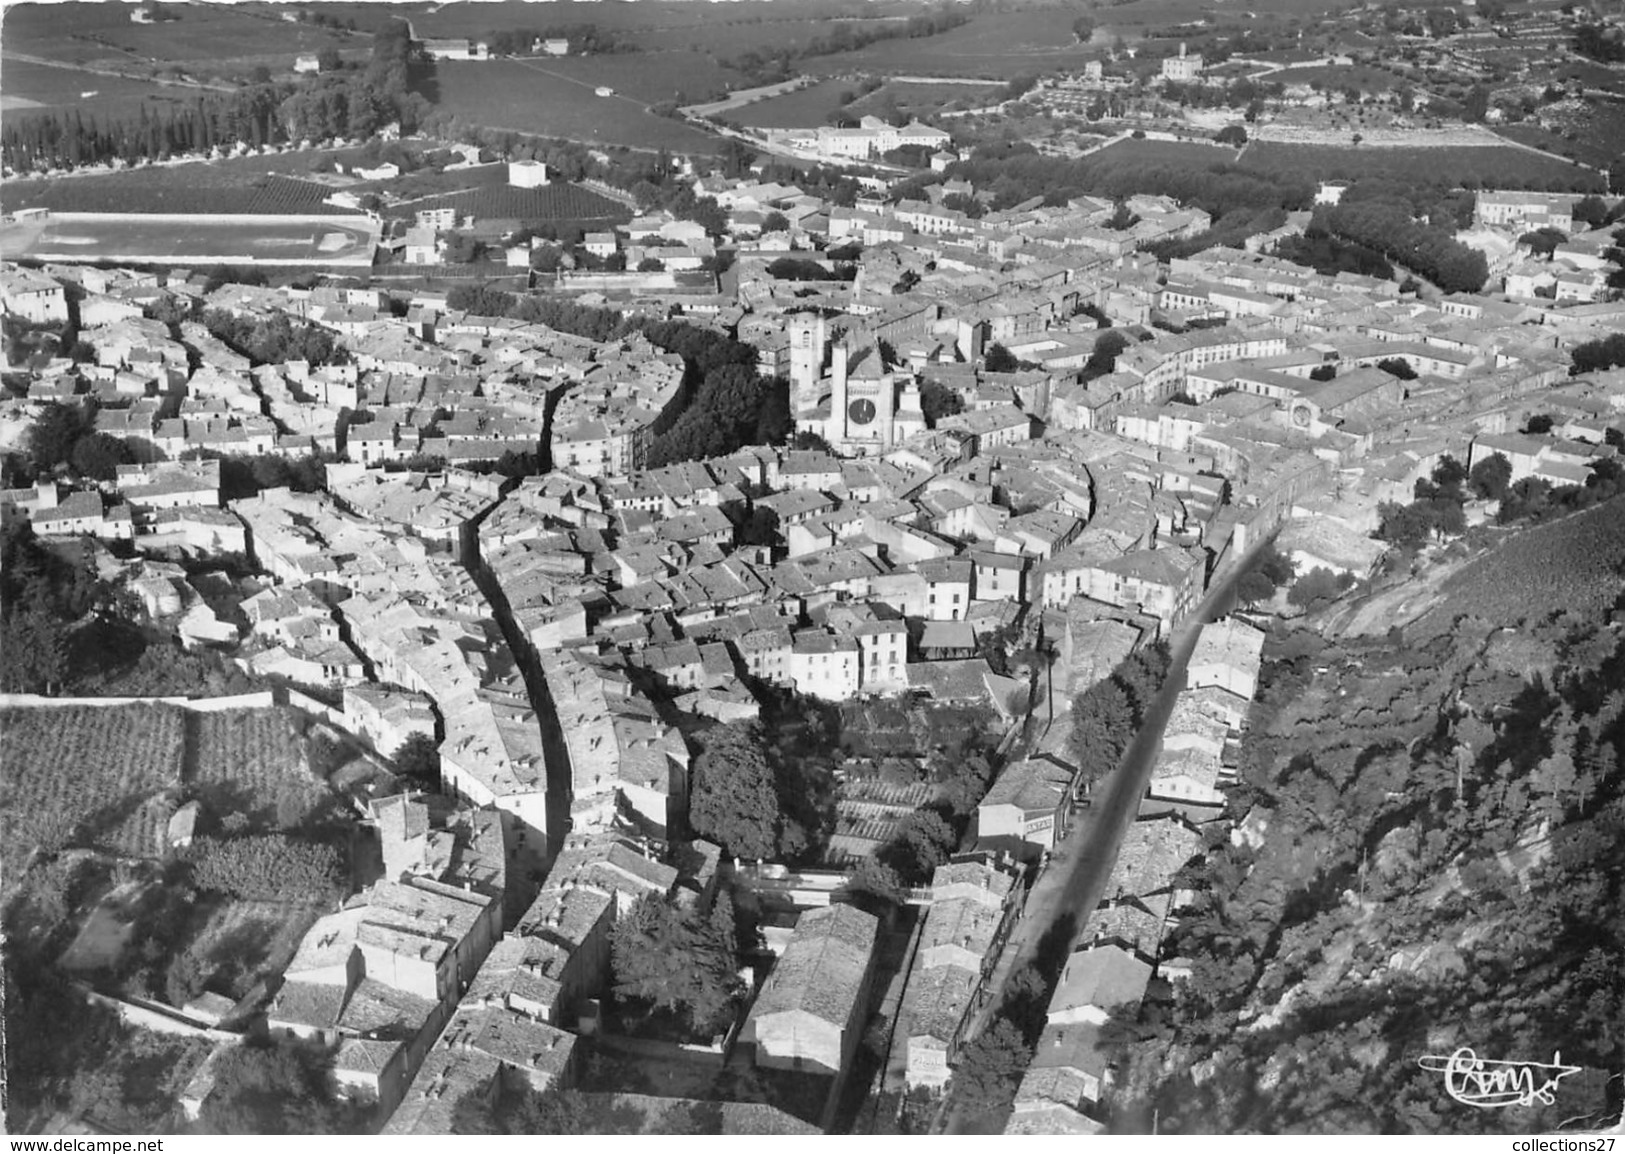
(813, 567)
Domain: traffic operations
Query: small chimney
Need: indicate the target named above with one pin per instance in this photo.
(45, 494)
(1182, 50)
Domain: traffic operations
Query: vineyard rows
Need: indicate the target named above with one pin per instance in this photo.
(553, 202)
(88, 776)
(1572, 564)
(247, 760)
(111, 778)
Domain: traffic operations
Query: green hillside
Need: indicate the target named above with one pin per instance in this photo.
(1430, 854)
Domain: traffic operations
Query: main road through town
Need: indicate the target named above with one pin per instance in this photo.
(1080, 870)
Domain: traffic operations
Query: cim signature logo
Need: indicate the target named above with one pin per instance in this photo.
(1489, 1085)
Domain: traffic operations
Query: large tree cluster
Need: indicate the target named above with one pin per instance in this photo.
(1389, 227)
(1106, 715)
(668, 958)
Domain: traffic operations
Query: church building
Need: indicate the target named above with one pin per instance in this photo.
(862, 406)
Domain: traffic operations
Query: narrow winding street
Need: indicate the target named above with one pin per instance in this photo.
(1080, 870)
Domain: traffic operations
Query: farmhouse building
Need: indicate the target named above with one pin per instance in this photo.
(1182, 68)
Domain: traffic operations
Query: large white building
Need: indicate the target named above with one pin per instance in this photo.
(873, 137)
(527, 173)
(33, 296)
(1183, 68)
(1525, 210)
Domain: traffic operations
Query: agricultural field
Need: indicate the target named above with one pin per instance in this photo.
(207, 40)
(1467, 166)
(502, 202)
(643, 77)
(997, 45)
(1575, 563)
(917, 100)
(543, 99)
(804, 108)
(1138, 14)
(1587, 131)
(102, 778)
(741, 26)
(726, 39)
(250, 761)
(485, 193)
(26, 86)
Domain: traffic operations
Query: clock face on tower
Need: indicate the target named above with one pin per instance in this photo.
(861, 411)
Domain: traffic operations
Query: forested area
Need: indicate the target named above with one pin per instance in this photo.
(1428, 852)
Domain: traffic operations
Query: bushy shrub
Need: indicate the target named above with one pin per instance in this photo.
(269, 867)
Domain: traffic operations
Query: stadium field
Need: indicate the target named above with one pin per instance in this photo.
(153, 238)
